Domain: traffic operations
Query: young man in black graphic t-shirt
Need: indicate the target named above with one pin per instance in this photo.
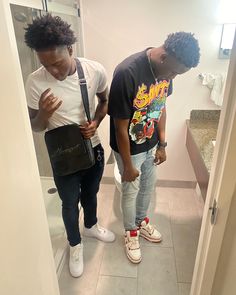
(139, 89)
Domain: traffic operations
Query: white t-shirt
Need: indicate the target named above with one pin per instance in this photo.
(72, 109)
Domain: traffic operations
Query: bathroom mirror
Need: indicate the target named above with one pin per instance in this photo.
(178, 208)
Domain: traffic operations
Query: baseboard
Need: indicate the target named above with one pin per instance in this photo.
(176, 183)
(108, 180)
(160, 183)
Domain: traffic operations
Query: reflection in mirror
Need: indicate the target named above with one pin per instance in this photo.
(177, 206)
(21, 16)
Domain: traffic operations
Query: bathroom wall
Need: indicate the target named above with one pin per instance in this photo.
(116, 29)
(27, 264)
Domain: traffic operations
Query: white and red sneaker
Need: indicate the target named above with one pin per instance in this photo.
(149, 232)
(132, 247)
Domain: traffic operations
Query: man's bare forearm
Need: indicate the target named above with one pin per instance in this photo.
(130, 172)
(100, 112)
(38, 123)
(123, 144)
(102, 106)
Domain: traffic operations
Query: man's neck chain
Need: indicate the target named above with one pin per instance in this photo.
(149, 55)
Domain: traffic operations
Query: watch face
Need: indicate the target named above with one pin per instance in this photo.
(163, 144)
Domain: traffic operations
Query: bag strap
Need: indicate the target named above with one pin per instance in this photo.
(83, 88)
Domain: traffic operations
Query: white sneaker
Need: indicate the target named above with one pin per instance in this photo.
(149, 232)
(132, 247)
(99, 233)
(76, 263)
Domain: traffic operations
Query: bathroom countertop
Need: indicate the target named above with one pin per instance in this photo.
(203, 125)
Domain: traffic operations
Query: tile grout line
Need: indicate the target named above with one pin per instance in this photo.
(137, 279)
(172, 236)
(99, 269)
(99, 272)
(118, 276)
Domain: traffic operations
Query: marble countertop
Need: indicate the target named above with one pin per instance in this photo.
(203, 125)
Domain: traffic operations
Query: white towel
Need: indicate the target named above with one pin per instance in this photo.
(216, 83)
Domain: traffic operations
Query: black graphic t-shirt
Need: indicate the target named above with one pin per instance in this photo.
(135, 95)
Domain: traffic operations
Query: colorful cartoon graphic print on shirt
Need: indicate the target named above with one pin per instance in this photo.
(148, 106)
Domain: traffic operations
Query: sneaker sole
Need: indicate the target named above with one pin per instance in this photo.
(132, 260)
(98, 238)
(150, 239)
(77, 275)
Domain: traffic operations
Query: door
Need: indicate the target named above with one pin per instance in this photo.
(220, 190)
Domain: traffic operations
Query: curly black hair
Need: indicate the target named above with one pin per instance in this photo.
(184, 47)
(48, 31)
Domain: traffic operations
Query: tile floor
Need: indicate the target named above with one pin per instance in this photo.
(166, 268)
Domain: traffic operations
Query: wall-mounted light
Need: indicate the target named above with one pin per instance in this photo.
(226, 16)
(227, 39)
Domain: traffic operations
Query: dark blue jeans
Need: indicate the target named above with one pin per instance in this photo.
(82, 187)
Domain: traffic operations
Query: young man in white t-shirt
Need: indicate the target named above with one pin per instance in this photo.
(54, 99)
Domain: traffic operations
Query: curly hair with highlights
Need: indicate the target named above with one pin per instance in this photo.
(48, 31)
(184, 47)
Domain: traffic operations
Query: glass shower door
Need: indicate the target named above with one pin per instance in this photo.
(21, 16)
(68, 10)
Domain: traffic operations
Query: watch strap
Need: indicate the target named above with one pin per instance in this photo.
(162, 144)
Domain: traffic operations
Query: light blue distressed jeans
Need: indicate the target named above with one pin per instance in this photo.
(136, 195)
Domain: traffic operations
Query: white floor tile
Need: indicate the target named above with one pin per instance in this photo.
(115, 262)
(87, 283)
(156, 272)
(185, 239)
(184, 289)
(108, 285)
(176, 213)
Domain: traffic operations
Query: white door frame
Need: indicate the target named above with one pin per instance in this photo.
(221, 187)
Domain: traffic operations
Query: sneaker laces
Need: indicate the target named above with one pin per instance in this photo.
(150, 228)
(101, 229)
(133, 243)
(75, 254)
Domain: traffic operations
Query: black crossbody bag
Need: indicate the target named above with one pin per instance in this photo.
(68, 151)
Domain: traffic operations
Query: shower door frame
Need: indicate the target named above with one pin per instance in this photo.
(62, 10)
